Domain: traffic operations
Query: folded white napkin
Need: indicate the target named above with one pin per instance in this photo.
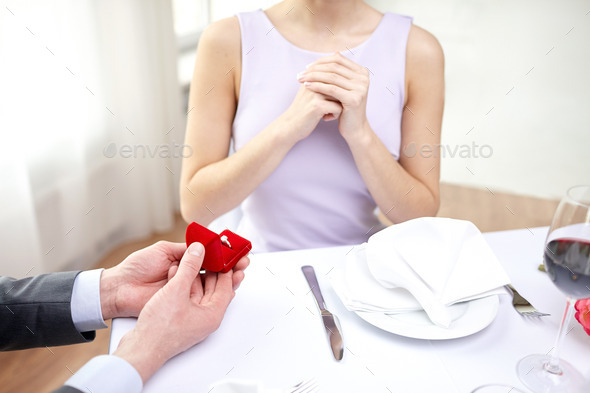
(427, 263)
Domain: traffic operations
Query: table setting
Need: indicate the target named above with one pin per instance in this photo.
(429, 305)
(403, 284)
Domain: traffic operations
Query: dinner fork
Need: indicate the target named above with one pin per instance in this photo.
(309, 386)
(523, 306)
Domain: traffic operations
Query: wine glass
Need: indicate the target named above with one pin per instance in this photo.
(567, 262)
(496, 388)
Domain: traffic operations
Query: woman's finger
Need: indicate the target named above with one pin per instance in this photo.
(331, 67)
(329, 78)
(338, 58)
(332, 91)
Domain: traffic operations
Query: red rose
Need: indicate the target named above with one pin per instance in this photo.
(583, 314)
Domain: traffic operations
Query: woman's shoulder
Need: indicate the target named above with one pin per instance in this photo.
(423, 47)
(223, 34)
(219, 50)
(425, 63)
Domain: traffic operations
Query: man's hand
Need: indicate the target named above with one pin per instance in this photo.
(127, 287)
(181, 314)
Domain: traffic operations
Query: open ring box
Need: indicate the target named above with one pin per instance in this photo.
(220, 255)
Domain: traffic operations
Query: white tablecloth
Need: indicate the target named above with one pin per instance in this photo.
(272, 333)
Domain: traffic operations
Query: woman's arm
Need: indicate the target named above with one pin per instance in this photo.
(407, 188)
(211, 182)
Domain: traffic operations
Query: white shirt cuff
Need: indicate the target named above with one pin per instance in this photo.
(106, 374)
(85, 303)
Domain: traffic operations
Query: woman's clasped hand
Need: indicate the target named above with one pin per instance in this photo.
(340, 79)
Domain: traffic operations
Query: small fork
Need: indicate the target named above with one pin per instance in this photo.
(523, 306)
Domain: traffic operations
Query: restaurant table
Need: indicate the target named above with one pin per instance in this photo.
(272, 333)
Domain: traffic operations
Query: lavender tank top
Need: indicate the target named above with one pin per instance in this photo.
(316, 197)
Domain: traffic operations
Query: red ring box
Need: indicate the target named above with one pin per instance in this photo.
(219, 257)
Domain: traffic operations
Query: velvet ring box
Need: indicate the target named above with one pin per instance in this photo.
(222, 251)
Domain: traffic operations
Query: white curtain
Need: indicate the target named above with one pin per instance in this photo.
(91, 129)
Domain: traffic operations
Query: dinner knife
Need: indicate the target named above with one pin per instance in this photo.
(330, 321)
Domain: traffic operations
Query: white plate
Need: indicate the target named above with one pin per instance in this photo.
(468, 318)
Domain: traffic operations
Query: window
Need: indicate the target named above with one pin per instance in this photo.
(190, 19)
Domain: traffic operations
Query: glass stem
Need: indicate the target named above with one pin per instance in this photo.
(553, 365)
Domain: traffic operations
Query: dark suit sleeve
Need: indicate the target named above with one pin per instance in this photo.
(36, 312)
(67, 389)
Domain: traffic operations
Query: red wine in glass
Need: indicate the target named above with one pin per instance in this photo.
(567, 262)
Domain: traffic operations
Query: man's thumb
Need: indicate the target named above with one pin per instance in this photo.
(190, 264)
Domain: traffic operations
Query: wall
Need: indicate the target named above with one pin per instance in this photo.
(517, 89)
